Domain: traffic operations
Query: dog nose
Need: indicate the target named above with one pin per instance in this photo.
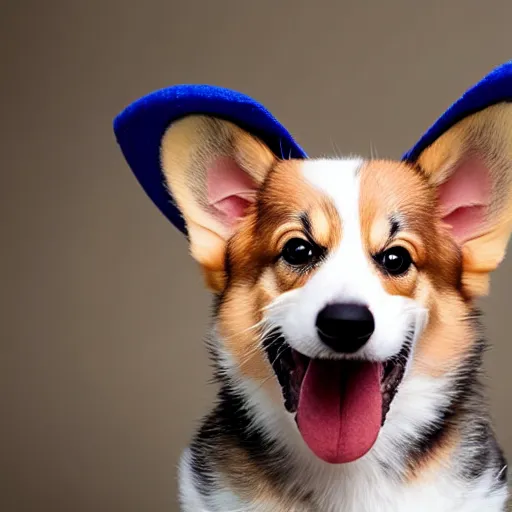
(345, 327)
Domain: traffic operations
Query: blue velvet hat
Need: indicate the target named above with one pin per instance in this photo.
(140, 127)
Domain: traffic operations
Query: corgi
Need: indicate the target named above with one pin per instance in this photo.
(346, 339)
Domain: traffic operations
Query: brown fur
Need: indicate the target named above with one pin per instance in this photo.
(243, 474)
(426, 467)
(257, 276)
(396, 190)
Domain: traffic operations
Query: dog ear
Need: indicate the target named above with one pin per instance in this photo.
(213, 170)
(471, 167)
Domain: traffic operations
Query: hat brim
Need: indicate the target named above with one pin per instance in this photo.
(496, 87)
(140, 127)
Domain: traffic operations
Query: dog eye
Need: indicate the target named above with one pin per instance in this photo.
(298, 252)
(395, 261)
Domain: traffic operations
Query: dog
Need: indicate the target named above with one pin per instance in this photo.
(346, 340)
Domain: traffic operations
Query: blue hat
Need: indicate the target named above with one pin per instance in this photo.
(496, 87)
(141, 126)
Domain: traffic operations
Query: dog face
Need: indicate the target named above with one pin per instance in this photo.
(339, 279)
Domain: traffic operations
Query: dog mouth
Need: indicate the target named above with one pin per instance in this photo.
(339, 405)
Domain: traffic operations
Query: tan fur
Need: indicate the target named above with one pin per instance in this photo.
(390, 190)
(187, 148)
(488, 135)
(241, 473)
(433, 461)
(447, 340)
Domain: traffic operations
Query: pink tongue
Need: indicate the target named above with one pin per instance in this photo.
(340, 409)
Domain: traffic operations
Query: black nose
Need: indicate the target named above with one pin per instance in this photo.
(345, 327)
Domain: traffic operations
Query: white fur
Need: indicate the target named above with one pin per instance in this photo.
(363, 485)
(190, 498)
(346, 276)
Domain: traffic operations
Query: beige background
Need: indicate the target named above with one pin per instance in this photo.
(103, 375)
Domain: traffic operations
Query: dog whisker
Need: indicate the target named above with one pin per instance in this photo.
(373, 151)
(258, 348)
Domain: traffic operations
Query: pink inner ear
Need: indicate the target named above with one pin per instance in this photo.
(465, 199)
(230, 189)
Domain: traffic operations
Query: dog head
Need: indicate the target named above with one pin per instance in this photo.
(338, 280)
